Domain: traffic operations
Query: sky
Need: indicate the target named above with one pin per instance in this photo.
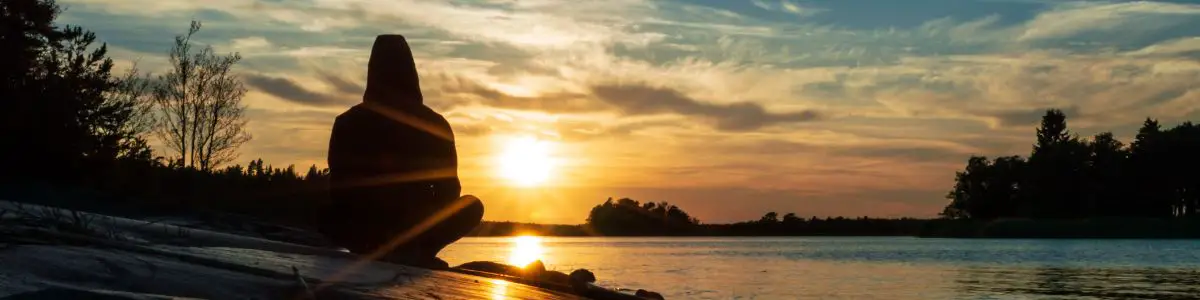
(727, 108)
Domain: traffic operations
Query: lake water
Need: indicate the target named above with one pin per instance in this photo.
(864, 268)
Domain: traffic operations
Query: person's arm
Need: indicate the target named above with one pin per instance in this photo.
(346, 156)
(448, 187)
(334, 157)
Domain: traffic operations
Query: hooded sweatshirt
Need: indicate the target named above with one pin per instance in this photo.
(392, 147)
(392, 74)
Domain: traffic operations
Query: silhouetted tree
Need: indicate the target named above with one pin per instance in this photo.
(200, 105)
(1183, 190)
(629, 217)
(769, 218)
(1106, 190)
(1055, 181)
(791, 219)
(66, 120)
(63, 117)
(1146, 162)
(1066, 177)
(987, 189)
(315, 174)
(28, 29)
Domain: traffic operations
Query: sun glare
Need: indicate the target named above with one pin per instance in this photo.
(525, 250)
(526, 161)
(499, 289)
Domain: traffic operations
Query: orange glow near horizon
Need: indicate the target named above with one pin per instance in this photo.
(525, 250)
(526, 161)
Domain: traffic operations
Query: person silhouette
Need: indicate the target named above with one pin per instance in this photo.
(393, 169)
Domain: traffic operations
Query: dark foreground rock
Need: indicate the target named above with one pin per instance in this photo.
(48, 254)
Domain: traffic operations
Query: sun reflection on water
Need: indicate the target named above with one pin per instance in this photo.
(525, 250)
(499, 289)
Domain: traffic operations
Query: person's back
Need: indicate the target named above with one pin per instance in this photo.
(393, 167)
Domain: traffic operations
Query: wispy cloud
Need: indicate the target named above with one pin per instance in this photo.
(1183, 46)
(1138, 16)
(742, 116)
(341, 84)
(785, 6)
(289, 90)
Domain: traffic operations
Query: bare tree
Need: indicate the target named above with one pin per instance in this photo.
(200, 113)
(133, 96)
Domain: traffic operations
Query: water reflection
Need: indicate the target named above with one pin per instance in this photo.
(1071, 282)
(525, 250)
(861, 268)
(499, 289)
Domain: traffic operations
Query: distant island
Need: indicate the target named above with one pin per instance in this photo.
(628, 217)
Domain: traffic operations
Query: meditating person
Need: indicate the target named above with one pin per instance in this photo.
(393, 167)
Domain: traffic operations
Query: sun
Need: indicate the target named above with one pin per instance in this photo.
(526, 161)
(526, 249)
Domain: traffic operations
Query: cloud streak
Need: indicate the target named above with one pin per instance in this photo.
(341, 84)
(289, 90)
(466, 91)
(739, 116)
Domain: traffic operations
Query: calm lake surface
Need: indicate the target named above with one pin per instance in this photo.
(864, 268)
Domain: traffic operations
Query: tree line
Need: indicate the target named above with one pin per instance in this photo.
(68, 120)
(1068, 177)
(628, 217)
(771, 224)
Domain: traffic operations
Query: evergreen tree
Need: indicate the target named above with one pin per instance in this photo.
(1147, 179)
(1183, 191)
(1106, 189)
(63, 115)
(1054, 185)
(1066, 177)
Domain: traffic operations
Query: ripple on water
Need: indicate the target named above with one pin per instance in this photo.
(871, 268)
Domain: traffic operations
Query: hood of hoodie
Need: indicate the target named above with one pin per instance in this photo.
(392, 73)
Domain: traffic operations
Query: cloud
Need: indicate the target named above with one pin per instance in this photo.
(1029, 117)
(544, 24)
(1187, 45)
(469, 91)
(576, 131)
(1013, 90)
(341, 84)
(785, 6)
(1138, 16)
(796, 9)
(250, 43)
(627, 100)
(289, 90)
(762, 4)
(294, 118)
(906, 149)
(740, 116)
